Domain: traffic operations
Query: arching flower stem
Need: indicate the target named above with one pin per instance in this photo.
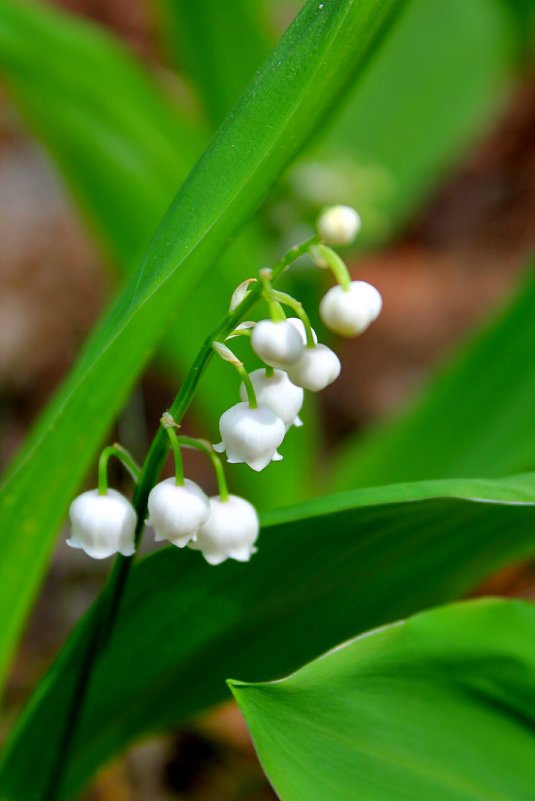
(126, 459)
(276, 312)
(249, 388)
(297, 306)
(228, 356)
(158, 449)
(96, 637)
(206, 448)
(170, 427)
(335, 264)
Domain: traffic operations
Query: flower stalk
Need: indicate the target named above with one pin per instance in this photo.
(335, 264)
(169, 425)
(205, 447)
(276, 311)
(297, 306)
(126, 459)
(108, 607)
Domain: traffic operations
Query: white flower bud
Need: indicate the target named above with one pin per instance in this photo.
(102, 525)
(317, 368)
(177, 512)
(251, 435)
(349, 312)
(277, 392)
(300, 327)
(277, 343)
(229, 533)
(338, 225)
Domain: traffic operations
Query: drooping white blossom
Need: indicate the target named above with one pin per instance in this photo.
(251, 435)
(317, 368)
(338, 225)
(350, 311)
(102, 525)
(277, 343)
(300, 327)
(177, 512)
(277, 392)
(230, 531)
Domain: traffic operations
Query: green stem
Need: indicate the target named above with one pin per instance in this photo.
(91, 642)
(175, 447)
(126, 459)
(158, 449)
(270, 371)
(336, 265)
(248, 384)
(108, 606)
(204, 447)
(297, 306)
(276, 312)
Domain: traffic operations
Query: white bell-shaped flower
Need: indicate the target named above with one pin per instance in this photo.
(300, 327)
(349, 312)
(251, 435)
(230, 532)
(277, 392)
(338, 225)
(176, 513)
(276, 342)
(317, 368)
(102, 525)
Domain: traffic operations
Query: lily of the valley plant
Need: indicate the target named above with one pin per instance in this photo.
(226, 526)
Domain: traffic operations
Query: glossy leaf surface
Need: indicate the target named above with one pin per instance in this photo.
(302, 79)
(325, 571)
(122, 148)
(439, 706)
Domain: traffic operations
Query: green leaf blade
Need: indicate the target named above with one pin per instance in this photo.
(325, 571)
(306, 73)
(439, 706)
(219, 45)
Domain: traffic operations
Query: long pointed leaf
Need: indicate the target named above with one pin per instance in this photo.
(301, 80)
(325, 571)
(119, 144)
(220, 46)
(439, 707)
(123, 150)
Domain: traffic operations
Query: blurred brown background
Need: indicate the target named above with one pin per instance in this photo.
(459, 260)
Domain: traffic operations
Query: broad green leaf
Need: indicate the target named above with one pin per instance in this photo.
(325, 571)
(123, 151)
(303, 77)
(119, 144)
(219, 45)
(440, 706)
(475, 418)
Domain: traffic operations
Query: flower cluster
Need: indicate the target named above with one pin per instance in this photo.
(253, 430)
(223, 527)
(226, 526)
